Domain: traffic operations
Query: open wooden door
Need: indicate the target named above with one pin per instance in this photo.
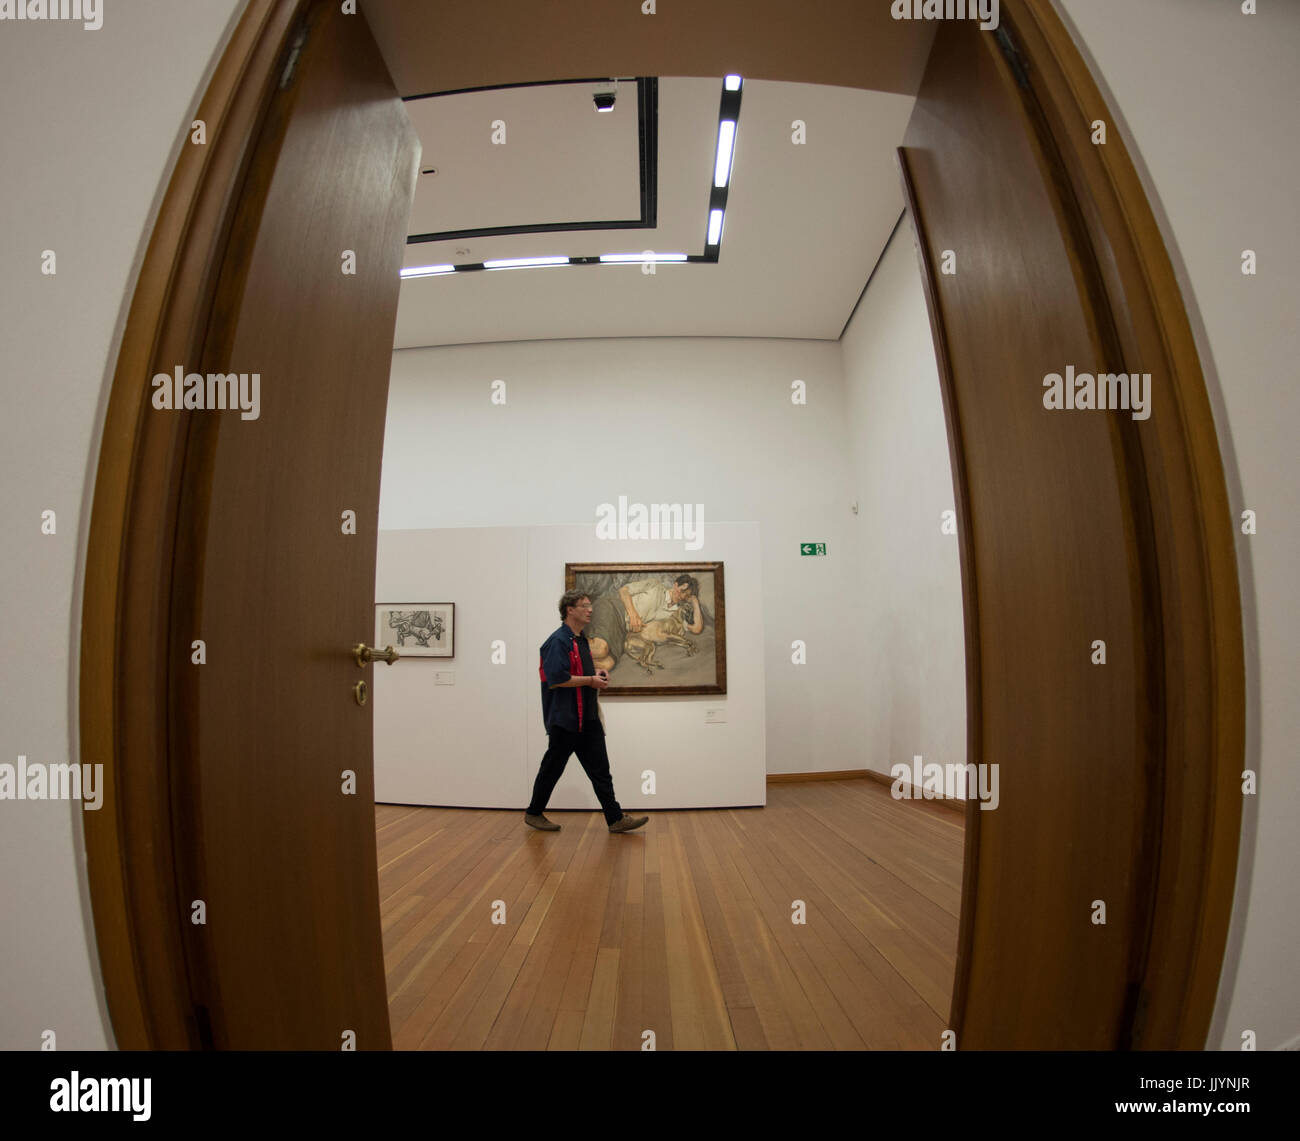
(279, 521)
(1103, 641)
(257, 739)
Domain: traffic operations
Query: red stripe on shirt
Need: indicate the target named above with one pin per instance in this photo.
(575, 669)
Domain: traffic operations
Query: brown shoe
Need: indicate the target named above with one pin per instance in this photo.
(541, 823)
(628, 823)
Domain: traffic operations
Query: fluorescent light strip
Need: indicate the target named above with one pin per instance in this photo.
(715, 228)
(732, 83)
(428, 270)
(523, 263)
(641, 257)
(726, 142)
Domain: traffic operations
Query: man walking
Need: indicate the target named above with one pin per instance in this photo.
(572, 718)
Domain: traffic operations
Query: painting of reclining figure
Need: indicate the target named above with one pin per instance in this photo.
(659, 628)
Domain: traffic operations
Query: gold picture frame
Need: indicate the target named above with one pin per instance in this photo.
(681, 645)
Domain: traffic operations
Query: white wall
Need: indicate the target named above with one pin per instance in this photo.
(692, 420)
(92, 125)
(479, 741)
(1208, 95)
(913, 684)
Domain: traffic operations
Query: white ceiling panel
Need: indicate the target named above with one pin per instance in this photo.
(561, 160)
(688, 126)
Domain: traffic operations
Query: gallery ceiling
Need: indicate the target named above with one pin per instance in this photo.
(804, 224)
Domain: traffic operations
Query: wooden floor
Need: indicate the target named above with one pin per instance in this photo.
(682, 927)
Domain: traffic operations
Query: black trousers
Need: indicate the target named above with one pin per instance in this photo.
(590, 747)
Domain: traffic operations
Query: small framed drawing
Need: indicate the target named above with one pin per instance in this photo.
(417, 629)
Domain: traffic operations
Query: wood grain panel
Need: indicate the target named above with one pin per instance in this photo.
(1053, 562)
(270, 579)
(684, 931)
(127, 650)
(1060, 262)
(1196, 776)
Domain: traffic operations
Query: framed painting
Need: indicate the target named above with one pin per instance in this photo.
(659, 628)
(417, 629)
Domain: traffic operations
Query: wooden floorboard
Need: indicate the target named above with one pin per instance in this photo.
(500, 937)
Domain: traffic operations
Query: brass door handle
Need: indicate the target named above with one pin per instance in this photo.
(367, 654)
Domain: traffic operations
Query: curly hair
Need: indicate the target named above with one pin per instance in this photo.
(571, 598)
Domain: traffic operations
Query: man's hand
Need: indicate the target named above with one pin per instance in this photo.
(600, 679)
(634, 620)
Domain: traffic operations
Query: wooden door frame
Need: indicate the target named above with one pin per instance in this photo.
(128, 646)
(1187, 555)
(127, 643)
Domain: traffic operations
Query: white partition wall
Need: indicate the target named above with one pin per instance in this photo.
(460, 744)
(477, 743)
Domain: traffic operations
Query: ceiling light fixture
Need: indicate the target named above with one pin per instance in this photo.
(648, 256)
(604, 100)
(428, 270)
(723, 165)
(726, 143)
(715, 228)
(523, 263)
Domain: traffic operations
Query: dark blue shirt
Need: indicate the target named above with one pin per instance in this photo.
(560, 706)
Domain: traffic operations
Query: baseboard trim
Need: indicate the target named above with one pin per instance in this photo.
(797, 778)
(951, 803)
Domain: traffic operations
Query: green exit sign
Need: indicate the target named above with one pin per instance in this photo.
(812, 548)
